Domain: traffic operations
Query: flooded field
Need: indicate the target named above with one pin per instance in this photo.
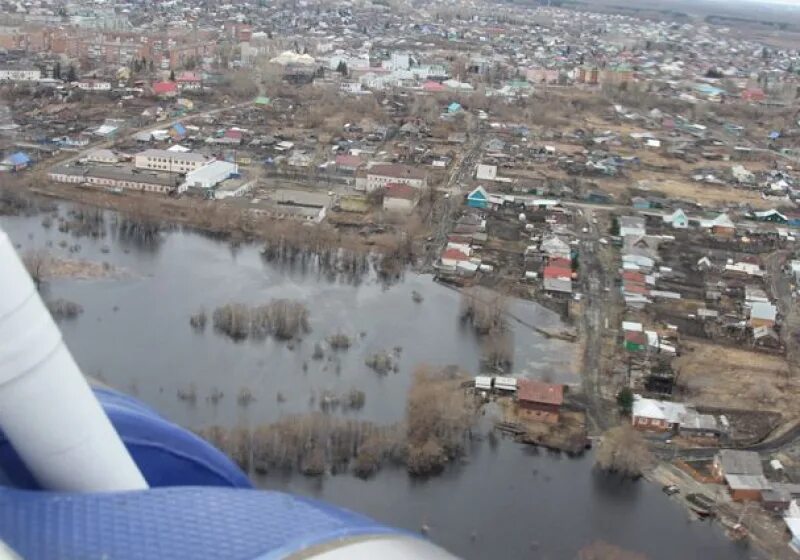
(134, 333)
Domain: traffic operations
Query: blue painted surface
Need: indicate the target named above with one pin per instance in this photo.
(478, 198)
(172, 523)
(167, 454)
(19, 159)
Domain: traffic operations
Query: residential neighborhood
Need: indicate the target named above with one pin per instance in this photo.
(602, 201)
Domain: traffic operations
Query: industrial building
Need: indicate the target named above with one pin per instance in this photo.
(209, 175)
(115, 178)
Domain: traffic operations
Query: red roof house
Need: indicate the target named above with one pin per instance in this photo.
(347, 162)
(560, 262)
(165, 89)
(433, 87)
(557, 272)
(399, 190)
(451, 257)
(540, 401)
(753, 94)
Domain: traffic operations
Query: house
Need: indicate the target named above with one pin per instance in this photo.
(433, 87)
(16, 161)
(381, 174)
(693, 424)
(635, 341)
(555, 247)
(478, 198)
(452, 257)
(742, 472)
(348, 163)
(189, 81)
(677, 219)
(299, 159)
(93, 85)
(762, 314)
(400, 198)
(557, 279)
(655, 415)
(753, 94)
(742, 175)
(771, 216)
(165, 89)
(540, 401)
(721, 225)
(177, 132)
(486, 172)
(631, 225)
(778, 498)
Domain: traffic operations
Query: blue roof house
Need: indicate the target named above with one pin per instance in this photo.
(478, 198)
(17, 161)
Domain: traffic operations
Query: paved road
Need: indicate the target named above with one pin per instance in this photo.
(781, 288)
(445, 209)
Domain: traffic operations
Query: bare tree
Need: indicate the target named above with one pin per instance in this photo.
(484, 309)
(38, 265)
(438, 418)
(623, 450)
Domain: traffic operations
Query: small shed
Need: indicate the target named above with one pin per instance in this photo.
(505, 383)
(483, 383)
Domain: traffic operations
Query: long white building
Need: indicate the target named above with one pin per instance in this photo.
(172, 162)
(380, 175)
(20, 75)
(210, 175)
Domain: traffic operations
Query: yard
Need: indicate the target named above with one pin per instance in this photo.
(720, 376)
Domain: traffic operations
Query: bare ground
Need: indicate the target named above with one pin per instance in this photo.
(729, 377)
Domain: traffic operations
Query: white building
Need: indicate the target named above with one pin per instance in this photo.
(210, 175)
(380, 175)
(173, 162)
(93, 85)
(233, 190)
(400, 198)
(102, 155)
(486, 172)
(17, 75)
(114, 178)
(350, 87)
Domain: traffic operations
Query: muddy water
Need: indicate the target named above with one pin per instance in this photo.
(505, 501)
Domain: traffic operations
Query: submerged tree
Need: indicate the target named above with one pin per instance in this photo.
(38, 265)
(623, 450)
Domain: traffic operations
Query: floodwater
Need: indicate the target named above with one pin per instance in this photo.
(505, 501)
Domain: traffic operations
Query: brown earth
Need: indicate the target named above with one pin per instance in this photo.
(721, 376)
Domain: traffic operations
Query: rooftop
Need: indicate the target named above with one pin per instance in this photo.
(529, 390)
